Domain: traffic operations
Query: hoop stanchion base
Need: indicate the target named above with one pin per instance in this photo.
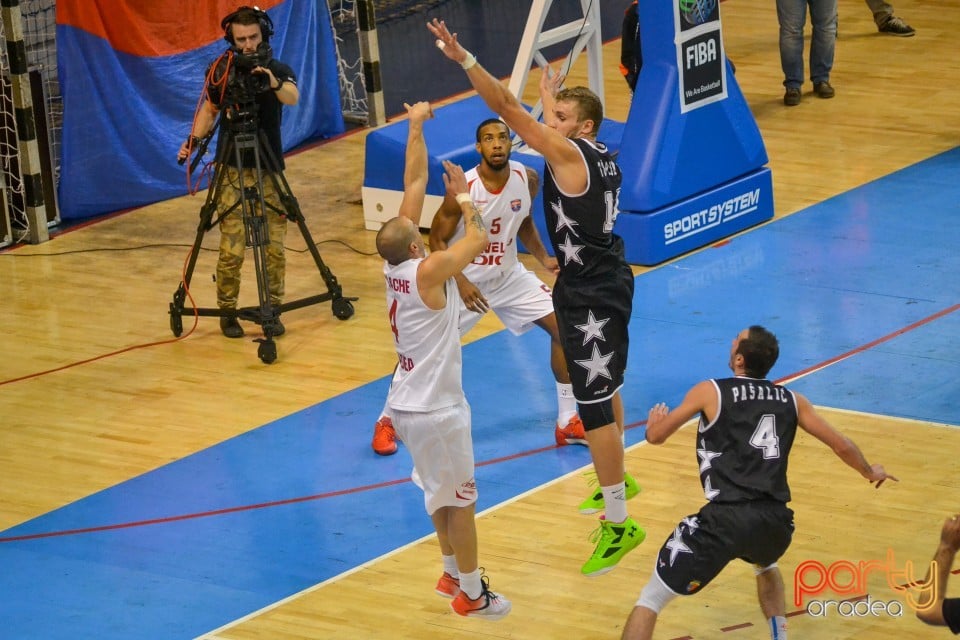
(652, 237)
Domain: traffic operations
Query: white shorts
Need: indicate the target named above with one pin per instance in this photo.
(518, 297)
(442, 450)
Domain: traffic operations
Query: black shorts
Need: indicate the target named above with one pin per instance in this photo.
(702, 544)
(593, 316)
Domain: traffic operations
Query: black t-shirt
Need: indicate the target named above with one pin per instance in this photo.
(243, 103)
(743, 453)
(581, 225)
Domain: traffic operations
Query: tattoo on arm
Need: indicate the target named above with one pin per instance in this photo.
(474, 218)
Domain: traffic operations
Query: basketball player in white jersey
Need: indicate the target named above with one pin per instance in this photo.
(426, 397)
(496, 280)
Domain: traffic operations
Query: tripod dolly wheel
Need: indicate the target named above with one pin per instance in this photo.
(176, 311)
(176, 322)
(342, 308)
(267, 351)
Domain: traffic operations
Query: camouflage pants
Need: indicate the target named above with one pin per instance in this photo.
(233, 237)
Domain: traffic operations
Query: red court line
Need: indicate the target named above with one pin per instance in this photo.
(870, 345)
(203, 514)
(514, 456)
(254, 507)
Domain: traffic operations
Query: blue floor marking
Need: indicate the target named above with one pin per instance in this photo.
(830, 279)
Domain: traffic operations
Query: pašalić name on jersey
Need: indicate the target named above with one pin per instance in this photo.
(698, 221)
(758, 391)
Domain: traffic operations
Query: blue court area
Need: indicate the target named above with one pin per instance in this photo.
(213, 537)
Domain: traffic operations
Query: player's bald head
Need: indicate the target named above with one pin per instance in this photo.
(394, 239)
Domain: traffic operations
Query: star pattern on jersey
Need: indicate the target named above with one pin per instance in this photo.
(571, 252)
(675, 544)
(592, 329)
(706, 456)
(708, 491)
(562, 219)
(596, 365)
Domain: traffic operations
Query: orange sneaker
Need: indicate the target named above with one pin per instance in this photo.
(384, 437)
(489, 605)
(573, 433)
(448, 586)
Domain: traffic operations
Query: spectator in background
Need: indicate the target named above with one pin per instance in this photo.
(631, 57)
(792, 15)
(887, 22)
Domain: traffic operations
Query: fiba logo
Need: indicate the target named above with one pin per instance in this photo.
(697, 12)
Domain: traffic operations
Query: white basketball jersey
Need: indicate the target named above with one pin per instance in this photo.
(502, 213)
(429, 363)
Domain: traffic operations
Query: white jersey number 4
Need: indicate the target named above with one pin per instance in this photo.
(765, 437)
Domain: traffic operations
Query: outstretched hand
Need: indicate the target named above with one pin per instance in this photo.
(550, 81)
(878, 475)
(550, 264)
(447, 42)
(657, 413)
(454, 179)
(472, 297)
(950, 534)
(419, 111)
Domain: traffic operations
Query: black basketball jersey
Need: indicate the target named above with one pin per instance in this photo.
(743, 453)
(581, 225)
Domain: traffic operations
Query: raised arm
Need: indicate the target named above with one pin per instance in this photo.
(441, 230)
(445, 222)
(663, 423)
(551, 144)
(550, 84)
(415, 167)
(845, 448)
(442, 265)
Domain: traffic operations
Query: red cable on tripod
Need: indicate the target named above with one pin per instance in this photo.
(218, 84)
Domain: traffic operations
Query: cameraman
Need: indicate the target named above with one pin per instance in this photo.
(248, 31)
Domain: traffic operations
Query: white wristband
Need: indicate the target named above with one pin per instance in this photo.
(469, 61)
(464, 197)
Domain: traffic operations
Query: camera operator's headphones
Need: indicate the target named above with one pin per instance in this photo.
(266, 24)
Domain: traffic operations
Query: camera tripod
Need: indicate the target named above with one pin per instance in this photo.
(243, 139)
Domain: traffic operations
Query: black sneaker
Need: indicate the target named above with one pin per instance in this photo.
(792, 96)
(231, 327)
(897, 27)
(823, 90)
(278, 328)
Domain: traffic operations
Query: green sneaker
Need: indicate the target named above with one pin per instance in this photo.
(613, 542)
(594, 503)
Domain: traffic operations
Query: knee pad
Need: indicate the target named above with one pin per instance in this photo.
(655, 595)
(596, 414)
(757, 569)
